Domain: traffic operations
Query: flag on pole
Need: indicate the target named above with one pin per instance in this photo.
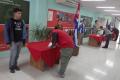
(76, 25)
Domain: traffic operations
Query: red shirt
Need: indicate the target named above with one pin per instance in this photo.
(64, 40)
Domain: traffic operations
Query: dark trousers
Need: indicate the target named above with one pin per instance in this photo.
(108, 37)
(117, 34)
(66, 54)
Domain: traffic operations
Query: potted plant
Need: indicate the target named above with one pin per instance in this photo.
(40, 34)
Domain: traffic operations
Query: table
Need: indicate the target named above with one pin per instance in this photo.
(41, 55)
(95, 40)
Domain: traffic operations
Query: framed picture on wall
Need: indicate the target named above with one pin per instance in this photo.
(102, 21)
(88, 24)
(60, 17)
(88, 20)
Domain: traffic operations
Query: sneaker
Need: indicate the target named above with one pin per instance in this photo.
(17, 68)
(104, 47)
(12, 70)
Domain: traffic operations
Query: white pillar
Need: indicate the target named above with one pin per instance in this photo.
(38, 15)
(38, 12)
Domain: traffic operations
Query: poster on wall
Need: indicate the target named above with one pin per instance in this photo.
(6, 7)
(88, 24)
(59, 17)
(102, 21)
(88, 20)
(50, 15)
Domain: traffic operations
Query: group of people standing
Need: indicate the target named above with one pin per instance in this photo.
(107, 32)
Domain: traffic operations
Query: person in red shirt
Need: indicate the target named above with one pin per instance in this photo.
(65, 42)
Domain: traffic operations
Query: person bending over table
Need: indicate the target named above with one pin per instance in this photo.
(65, 42)
(107, 34)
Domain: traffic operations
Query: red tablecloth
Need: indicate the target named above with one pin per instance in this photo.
(96, 37)
(40, 50)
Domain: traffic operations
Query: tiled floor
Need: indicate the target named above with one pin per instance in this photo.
(91, 64)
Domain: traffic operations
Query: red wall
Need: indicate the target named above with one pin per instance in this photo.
(1, 34)
(66, 24)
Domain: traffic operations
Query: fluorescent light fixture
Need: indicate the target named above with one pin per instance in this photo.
(116, 14)
(111, 10)
(106, 7)
(93, 0)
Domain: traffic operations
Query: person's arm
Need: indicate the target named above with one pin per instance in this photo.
(103, 32)
(54, 39)
(24, 33)
(6, 33)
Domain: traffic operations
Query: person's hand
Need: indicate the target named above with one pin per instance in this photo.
(50, 44)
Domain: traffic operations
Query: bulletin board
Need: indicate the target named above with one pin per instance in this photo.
(59, 17)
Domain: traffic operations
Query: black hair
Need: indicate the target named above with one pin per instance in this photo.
(101, 27)
(96, 21)
(58, 26)
(17, 10)
(83, 20)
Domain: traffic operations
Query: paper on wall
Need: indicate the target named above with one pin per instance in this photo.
(50, 15)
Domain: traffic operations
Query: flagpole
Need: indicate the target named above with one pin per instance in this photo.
(76, 24)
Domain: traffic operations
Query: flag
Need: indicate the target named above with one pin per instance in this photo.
(76, 25)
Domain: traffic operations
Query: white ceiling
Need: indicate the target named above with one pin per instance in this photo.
(92, 5)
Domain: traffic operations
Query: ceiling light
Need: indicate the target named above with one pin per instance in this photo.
(112, 10)
(93, 0)
(106, 7)
(116, 14)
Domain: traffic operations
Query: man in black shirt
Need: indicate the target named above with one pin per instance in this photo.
(15, 36)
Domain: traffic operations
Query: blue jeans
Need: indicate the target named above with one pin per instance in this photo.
(15, 51)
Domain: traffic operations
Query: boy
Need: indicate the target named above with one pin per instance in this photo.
(15, 36)
(65, 42)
